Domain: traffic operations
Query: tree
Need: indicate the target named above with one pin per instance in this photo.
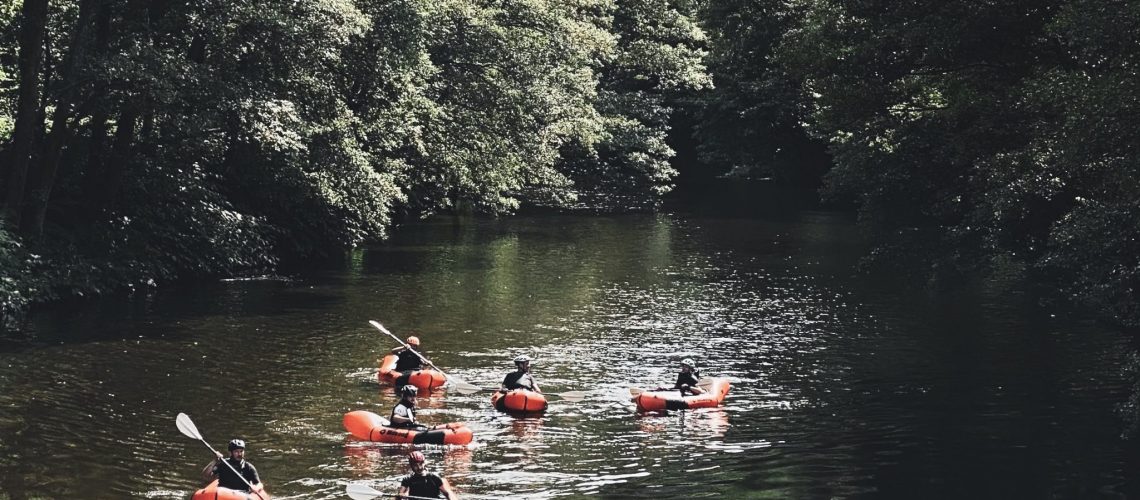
(911, 97)
(658, 61)
(750, 123)
(32, 26)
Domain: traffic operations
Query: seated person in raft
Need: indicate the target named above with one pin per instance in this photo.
(226, 476)
(406, 360)
(686, 380)
(404, 413)
(520, 378)
(423, 484)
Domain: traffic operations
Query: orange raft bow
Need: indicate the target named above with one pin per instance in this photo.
(371, 427)
(519, 400)
(213, 492)
(672, 400)
(424, 379)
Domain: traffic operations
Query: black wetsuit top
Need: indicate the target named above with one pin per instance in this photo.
(227, 478)
(516, 380)
(426, 485)
(690, 379)
(408, 361)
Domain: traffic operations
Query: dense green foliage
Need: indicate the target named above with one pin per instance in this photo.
(145, 141)
(750, 123)
(965, 132)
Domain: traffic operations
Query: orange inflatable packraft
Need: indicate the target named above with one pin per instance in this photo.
(424, 379)
(371, 427)
(213, 492)
(519, 400)
(672, 400)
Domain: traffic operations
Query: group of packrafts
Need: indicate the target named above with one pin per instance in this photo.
(527, 400)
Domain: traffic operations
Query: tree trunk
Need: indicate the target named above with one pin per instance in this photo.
(92, 175)
(32, 31)
(97, 146)
(61, 132)
(120, 154)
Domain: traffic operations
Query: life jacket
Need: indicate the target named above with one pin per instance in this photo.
(411, 415)
(228, 479)
(407, 360)
(689, 379)
(516, 380)
(426, 485)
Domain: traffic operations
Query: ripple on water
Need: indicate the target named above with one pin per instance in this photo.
(839, 389)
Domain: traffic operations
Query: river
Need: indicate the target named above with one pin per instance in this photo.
(844, 385)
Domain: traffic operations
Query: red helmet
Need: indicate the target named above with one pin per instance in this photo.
(416, 457)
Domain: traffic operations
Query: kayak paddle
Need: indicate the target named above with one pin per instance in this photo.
(187, 428)
(571, 396)
(357, 491)
(704, 383)
(461, 386)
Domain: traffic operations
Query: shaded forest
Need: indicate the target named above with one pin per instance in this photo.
(147, 141)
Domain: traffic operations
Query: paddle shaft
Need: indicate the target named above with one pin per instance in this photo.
(188, 429)
(415, 497)
(406, 346)
(227, 462)
(361, 491)
(704, 383)
(455, 382)
(571, 396)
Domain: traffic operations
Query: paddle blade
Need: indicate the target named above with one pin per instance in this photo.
(379, 326)
(464, 387)
(572, 396)
(186, 427)
(705, 383)
(358, 491)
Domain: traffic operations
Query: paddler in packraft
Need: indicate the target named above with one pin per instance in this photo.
(404, 413)
(226, 476)
(406, 360)
(421, 483)
(520, 378)
(687, 379)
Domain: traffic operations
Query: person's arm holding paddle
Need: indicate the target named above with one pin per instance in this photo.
(520, 378)
(406, 358)
(462, 386)
(688, 379)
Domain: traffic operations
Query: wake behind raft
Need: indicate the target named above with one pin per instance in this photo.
(672, 400)
(424, 379)
(214, 492)
(372, 427)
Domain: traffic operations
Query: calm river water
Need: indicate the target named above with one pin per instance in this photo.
(842, 386)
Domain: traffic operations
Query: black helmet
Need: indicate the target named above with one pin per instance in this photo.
(409, 390)
(235, 444)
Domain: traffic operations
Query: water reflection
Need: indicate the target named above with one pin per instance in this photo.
(841, 388)
(702, 424)
(526, 428)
